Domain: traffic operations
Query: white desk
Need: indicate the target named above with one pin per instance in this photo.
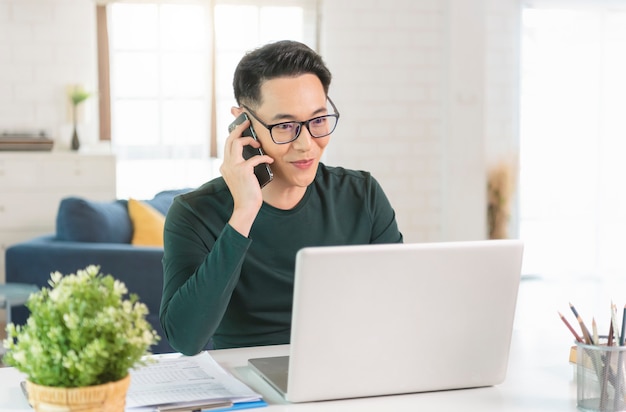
(537, 380)
(539, 377)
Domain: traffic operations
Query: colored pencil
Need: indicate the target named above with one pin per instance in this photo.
(621, 336)
(586, 334)
(607, 369)
(614, 323)
(594, 328)
(620, 378)
(578, 338)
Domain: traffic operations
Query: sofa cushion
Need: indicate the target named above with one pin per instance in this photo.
(147, 223)
(163, 200)
(81, 220)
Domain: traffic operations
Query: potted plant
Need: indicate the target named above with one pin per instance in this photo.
(80, 341)
(77, 95)
(500, 190)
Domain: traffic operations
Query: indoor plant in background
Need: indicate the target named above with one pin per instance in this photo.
(77, 95)
(80, 341)
(501, 180)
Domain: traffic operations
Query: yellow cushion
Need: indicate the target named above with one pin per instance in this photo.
(147, 224)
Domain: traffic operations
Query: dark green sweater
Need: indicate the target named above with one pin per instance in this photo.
(238, 291)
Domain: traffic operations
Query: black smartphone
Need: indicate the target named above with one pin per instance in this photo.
(262, 171)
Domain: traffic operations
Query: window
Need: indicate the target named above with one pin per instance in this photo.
(171, 82)
(572, 204)
(257, 25)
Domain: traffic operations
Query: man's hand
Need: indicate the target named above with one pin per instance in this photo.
(239, 176)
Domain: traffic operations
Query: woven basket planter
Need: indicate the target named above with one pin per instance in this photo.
(108, 397)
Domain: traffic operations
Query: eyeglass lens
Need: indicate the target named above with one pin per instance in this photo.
(318, 127)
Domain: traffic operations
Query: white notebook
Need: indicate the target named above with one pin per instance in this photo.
(398, 318)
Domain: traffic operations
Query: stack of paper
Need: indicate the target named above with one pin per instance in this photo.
(188, 383)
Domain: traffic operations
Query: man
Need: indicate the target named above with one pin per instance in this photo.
(230, 246)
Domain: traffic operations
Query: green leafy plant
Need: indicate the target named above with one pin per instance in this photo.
(81, 332)
(78, 95)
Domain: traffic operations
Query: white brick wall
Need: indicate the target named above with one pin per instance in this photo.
(44, 46)
(427, 90)
(503, 71)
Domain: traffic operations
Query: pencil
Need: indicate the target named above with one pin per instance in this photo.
(607, 369)
(621, 336)
(618, 386)
(578, 338)
(614, 322)
(594, 328)
(586, 334)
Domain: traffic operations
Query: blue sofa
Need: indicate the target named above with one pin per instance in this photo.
(99, 233)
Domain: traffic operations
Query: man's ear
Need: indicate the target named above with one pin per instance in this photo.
(236, 111)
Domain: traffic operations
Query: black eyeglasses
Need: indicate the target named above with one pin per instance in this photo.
(287, 132)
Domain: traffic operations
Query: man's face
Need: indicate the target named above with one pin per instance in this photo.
(292, 99)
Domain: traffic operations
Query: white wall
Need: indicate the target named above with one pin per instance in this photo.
(427, 91)
(46, 45)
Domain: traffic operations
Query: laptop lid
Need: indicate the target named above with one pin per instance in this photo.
(400, 318)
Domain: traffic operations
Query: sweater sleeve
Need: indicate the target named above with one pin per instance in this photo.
(384, 224)
(201, 269)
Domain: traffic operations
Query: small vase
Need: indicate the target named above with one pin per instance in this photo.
(75, 141)
(108, 397)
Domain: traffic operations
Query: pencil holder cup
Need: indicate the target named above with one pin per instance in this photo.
(601, 377)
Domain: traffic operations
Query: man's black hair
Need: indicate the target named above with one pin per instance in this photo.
(284, 58)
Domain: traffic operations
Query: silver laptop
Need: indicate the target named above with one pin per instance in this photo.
(398, 318)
